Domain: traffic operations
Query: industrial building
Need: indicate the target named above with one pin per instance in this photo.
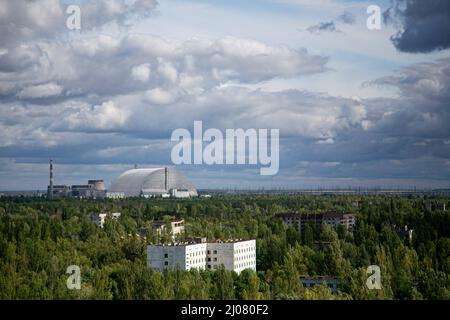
(299, 220)
(234, 255)
(93, 189)
(147, 183)
(58, 191)
(90, 190)
(155, 182)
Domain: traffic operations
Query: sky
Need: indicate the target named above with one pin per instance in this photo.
(355, 107)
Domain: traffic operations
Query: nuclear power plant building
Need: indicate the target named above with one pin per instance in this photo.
(154, 182)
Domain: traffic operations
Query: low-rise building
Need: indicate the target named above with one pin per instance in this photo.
(180, 193)
(115, 195)
(234, 255)
(171, 227)
(100, 218)
(331, 282)
(196, 239)
(321, 245)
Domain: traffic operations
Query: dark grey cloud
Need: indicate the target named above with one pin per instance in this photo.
(347, 18)
(424, 25)
(328, 26)
(332, 26)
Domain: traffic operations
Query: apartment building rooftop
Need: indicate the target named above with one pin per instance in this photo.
(324, 214)
(197, 240)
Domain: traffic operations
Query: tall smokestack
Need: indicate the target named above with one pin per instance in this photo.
(50, 187)
(166, 179)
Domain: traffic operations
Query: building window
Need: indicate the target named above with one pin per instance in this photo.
(215, 259)
(215, 251)
(209, 259)
(166, 255)
(166, 263)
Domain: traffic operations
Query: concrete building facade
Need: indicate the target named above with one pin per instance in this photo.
(299, 220)
(90, 190)
(234, 255)
(161, 227)
(115, 195)
(58, 191)
(331, 282)
(180, 193)
(184, 257)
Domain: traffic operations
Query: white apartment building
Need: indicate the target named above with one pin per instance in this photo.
(235, 255)
(184, 256)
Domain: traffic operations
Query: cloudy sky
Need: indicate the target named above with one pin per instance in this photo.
(355, 107)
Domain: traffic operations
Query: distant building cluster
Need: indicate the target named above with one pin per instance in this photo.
(152, 183)
(234, 255)
(299, 220)
(146, 183)
(93, 189)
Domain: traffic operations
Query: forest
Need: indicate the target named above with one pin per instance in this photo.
(39, 239)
